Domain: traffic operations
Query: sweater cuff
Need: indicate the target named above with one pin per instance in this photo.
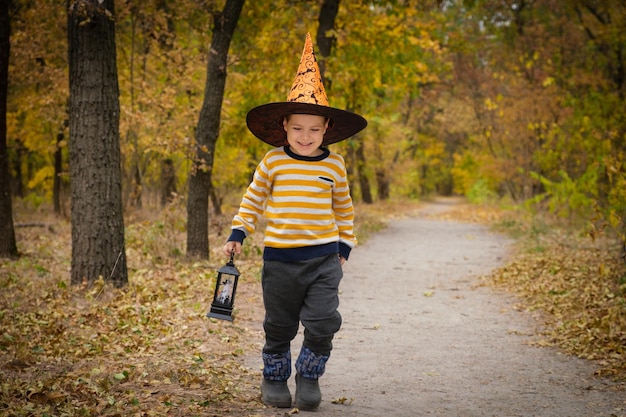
(237, 236)
(344, 250)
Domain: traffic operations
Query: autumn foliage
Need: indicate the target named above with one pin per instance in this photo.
(470, 97)
(516, 104)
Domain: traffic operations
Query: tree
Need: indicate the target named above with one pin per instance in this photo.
(95, 176)
(8, 245)
(325, 38)
(208, 130)
(168, 182)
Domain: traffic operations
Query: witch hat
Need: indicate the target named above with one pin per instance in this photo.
(307, 96)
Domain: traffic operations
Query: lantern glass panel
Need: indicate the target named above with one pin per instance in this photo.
(224, 293)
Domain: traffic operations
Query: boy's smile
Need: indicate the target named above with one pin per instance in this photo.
(305, 133)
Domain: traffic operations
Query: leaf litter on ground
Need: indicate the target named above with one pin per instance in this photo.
(149, 349)
(576, 285)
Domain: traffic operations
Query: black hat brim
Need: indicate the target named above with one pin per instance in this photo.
(266, 121)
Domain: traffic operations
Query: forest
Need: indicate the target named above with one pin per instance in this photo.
(511, 99)
(514, 104)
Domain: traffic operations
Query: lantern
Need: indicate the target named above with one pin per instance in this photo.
(224, 295)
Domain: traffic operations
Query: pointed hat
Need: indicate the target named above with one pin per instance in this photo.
(307, 96)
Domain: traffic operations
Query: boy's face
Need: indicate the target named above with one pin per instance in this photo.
(305, 133)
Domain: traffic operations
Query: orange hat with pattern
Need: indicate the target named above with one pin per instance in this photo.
(307, 96)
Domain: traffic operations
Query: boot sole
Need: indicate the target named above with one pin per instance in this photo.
(307, 407)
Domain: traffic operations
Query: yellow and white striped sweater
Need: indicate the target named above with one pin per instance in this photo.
(306, 201)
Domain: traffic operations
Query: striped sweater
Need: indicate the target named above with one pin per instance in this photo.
(307, 204)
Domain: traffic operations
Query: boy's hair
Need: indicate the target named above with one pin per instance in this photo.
(288, 116)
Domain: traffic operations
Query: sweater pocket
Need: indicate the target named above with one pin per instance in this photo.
(327, 180)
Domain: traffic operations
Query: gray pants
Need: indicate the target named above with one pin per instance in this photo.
(304, 291)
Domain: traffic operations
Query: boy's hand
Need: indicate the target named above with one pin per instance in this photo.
(231, 246)
(342, 260)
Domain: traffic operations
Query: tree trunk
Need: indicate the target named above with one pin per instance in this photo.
(217, 202)
(95, 175)
(168, 182)
(208, 130)
(364, 182)
(137, 194)
(8, 245)
(328, 14)
(382, 183)
(17, 182)
(58, 169)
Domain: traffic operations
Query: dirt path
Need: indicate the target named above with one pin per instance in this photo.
(420, 338)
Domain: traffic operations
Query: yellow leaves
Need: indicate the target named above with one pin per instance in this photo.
(342, 401)
(420, 67)
(537, 126)
(490, 104)
(424, 41)
(98, 348)
(576, 286)
(530, 61)
(413, 40)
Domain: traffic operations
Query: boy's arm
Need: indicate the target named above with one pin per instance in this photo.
(252, 205)
(344, 217)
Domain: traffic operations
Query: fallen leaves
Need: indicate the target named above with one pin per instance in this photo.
(147, 349)
(342, 401)
(579, 290)
(576, 284)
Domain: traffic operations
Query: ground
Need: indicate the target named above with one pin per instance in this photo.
(427, 329)
(423, 336)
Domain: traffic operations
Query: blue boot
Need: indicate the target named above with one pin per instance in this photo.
(309, 366)
(276, 372)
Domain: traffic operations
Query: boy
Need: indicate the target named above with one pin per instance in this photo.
(301, 187)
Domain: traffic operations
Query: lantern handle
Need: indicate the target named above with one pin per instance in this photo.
(232, 256)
